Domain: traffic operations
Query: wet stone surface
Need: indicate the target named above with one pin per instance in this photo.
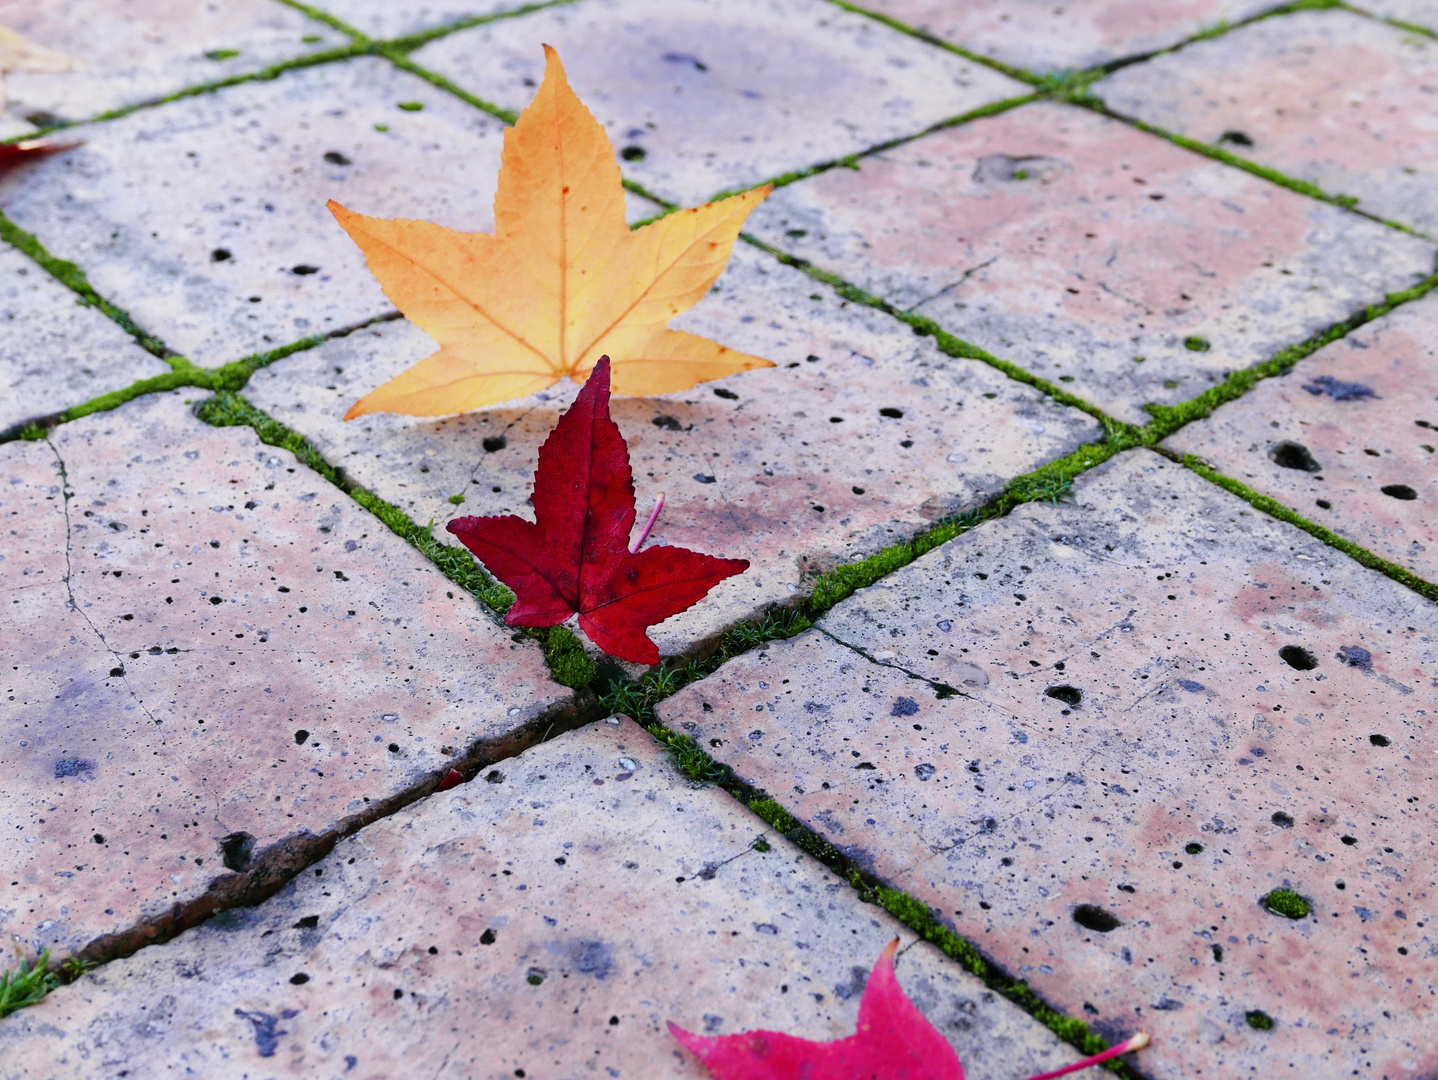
(220, 262)
(1347, 438)
(53, 352)
(862, 435)
(702, 97)
(213, 652)
(1080, 34)
(127, 53)
(474, 936)
(1090, 253)
(1108, 741)
(1330, 97)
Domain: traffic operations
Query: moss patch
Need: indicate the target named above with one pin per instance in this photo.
(1259, 1020)
(1287, 903)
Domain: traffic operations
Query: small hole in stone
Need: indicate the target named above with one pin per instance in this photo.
(299, 978)
(1399, 491)
(1069, 695)
(499, 442)
(1299, 658)
(1292, 455)
(1092, 917)
(1378, 740)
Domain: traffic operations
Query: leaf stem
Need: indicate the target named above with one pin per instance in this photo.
(1138, 1042)
(643, 536)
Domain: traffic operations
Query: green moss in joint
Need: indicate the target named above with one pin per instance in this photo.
(568, 662)
(1259, 1020)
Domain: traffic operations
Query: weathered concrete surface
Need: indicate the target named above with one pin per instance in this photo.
(1044, 37)
(213, 653)
(127, 53)
(1128, 762)
(381, 19)
(1074, 245)
(1346, 438)
(704, 97)
(1329, 97)
(53, 352)
(206, 219)
(548, 922)
(795, 468)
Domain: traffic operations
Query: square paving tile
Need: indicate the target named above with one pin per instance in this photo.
(384, 19)
(1041, 36)
(206, 218)
(702, 96)
(1330, 97)
(1347, 438)
(127, 52)
(861, 436)
(474, 936)
(1097, 737)
(1091, 253)
(142, 762)
(53, 352)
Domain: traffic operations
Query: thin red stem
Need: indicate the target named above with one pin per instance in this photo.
(644, 535)
(1138, 1042)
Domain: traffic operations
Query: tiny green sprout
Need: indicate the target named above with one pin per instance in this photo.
(222, 54)
(1139, 359)
(457, 500)
(381, 127)
(1021, 174)
(310, 39)
(1287, 903)
(411, 106)
(1194, 343)
(1259, 1020)
(761, 844)
(26, 985)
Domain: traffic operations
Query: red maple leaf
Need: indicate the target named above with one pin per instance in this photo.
(893, 1042)
(574, 557)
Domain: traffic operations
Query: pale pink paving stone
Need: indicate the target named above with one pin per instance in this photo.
(130, 51)
(1329, 97)
(206, 219)
(208, 640)
(862, 435)
(1420, 13)
(701, 95)
(1042, 35)
(1347, 438)
(381, 19)
(1094, 736)
(53, 352)
(1073, 245)
(546, 923)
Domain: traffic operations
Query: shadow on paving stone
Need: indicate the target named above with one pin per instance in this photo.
(548, 922)
(861, 436)
(219, 664)
(1164, 758)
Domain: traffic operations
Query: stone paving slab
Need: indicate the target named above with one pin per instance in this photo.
(53, 352)
(1346, 438)
(1073, 245)
(1129, 720)
(1078, 34)
(1330, 97)
(701, 97)
(477, 935)
(206, 218)
(127, 53)
(1415, 12)
(795, 468)
(144, 761)
(381, 19)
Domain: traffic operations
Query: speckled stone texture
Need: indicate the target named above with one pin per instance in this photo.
(863, 434)
(1042, 36)
(1329, 97)
(547, 921)
(127, 52)
(1095, 736)
(206, 219)
(1090, 253)
(1347, 438)
(1420, 13)
(53, 352)
(214, 654)
(381, 19)
(709, 95)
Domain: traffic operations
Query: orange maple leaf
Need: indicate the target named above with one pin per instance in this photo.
(562, 280)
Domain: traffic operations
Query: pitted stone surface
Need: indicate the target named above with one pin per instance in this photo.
(1079, 34)
(1095, 736)
(381, 19)
(206, 219)
(1330, 97)
(861, 436)
(127, 53)
(701, 97)
(1347, 438)
(53, 352)
(1073, 245)
(213, 651)
(549, 921)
